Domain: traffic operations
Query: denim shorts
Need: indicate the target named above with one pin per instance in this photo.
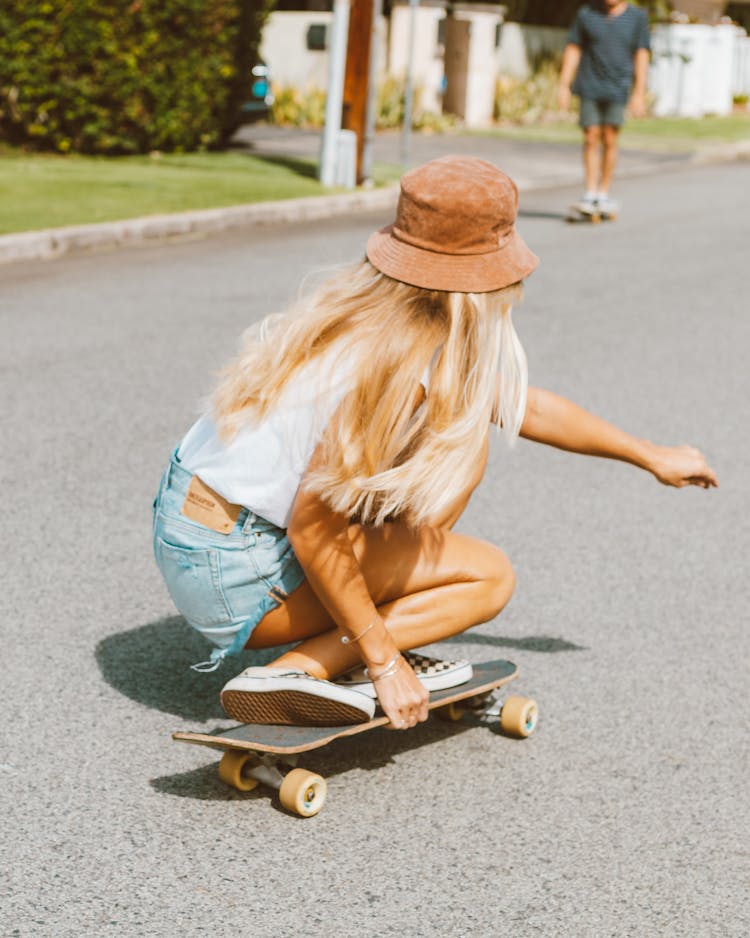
(223, 584)
(600, 113)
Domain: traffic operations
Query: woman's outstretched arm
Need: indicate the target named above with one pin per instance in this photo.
(559, 422)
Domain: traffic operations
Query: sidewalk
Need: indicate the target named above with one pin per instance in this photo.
(533, 165)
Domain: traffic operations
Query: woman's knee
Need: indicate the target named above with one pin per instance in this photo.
(498, 579)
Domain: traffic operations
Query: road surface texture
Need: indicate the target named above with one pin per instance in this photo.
(625, 815)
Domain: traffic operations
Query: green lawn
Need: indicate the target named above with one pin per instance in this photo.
(38, 191)
(44, 191)
(649, 133)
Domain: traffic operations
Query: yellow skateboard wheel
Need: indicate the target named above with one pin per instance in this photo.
(451, 712)
(519, 717)
(230, 770)
(303, 792)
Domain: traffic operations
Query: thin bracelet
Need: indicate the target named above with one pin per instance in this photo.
(346, 640)
(389, 669)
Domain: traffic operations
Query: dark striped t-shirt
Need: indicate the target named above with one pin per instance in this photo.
(608, 44)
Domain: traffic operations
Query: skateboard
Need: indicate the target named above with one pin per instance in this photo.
(257, 753)
(578, 214)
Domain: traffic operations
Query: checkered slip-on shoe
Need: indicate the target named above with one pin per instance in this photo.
(291, 697)
(432, 672)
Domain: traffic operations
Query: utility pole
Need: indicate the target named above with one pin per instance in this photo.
(337, 52)
(359, 60)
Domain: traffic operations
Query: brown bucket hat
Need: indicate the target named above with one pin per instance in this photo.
(454, 229)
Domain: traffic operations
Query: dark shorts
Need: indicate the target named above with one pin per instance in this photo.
(598, 113)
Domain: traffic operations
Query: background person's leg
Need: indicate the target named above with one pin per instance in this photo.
(592, 157)
(591, 125)
(610, 138)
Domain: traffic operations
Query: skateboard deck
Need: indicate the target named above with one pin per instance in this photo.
(255, 752)
(593, 216)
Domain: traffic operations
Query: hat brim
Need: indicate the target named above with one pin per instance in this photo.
(453, 273)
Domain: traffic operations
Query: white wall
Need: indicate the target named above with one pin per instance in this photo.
(480, 85)
(427, 63)
(520, 45)
(741, 64)
(284, 49)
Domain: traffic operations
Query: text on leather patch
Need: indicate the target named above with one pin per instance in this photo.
(208, 508)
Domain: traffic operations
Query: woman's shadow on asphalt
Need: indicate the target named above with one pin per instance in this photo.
(151, 665)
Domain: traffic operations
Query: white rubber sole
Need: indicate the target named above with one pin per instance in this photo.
(292, 698)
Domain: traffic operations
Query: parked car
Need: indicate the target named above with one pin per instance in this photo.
(259, 102)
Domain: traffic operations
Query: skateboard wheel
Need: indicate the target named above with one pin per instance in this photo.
(230, 770)
(303, 792)
(451, 712)
(519, 717)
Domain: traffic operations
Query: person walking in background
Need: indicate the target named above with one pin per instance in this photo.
(606, 64)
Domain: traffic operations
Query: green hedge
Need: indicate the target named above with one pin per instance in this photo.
(125, 76)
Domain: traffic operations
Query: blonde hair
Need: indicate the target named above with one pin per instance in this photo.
(384, 456)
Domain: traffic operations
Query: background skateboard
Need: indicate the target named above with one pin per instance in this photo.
(576, 213)
(255, 753)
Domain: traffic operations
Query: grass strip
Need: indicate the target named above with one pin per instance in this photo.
(41, 191)
(666, 134)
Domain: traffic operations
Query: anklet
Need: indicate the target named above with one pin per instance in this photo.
(347, 640)
(389, 669)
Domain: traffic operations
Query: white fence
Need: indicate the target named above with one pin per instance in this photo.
(697, 69)
(741, 70)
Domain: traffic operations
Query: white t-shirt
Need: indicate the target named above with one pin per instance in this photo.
(262, 466)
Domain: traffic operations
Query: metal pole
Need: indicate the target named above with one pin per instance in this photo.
(335, 96)
(409, 93)
(377, 6)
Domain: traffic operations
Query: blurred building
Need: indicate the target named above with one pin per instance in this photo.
(460, 50)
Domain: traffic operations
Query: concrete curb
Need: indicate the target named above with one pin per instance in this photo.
(54, 242)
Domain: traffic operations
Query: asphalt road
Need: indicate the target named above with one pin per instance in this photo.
(625, 815)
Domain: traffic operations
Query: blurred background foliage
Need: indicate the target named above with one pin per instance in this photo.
(293, 107)
(125, 76)
(561, 13)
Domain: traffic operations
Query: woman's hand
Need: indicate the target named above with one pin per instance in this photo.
(681, 466)
(402, 696)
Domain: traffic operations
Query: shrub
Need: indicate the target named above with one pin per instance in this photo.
(390, 107)
(528, 100)
(294, 108)
(125, 76)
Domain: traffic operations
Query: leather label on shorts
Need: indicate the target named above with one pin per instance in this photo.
(208, 508)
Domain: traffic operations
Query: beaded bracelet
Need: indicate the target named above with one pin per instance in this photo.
(346, 640)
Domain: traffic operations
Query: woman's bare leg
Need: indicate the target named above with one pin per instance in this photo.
(425, 592)
(428, 585)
